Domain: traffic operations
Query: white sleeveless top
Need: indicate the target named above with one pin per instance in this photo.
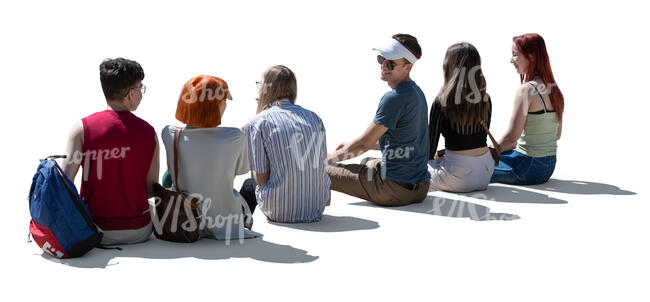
(209, 160)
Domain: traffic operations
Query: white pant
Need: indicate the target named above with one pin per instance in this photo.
(127, 236)
(461, 173)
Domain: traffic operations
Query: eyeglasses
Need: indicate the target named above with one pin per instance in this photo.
(143, 89)
(390, 64)
(258, 84)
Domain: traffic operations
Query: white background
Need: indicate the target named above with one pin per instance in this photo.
(583, 236)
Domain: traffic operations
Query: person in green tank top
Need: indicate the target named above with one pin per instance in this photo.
(530, 143)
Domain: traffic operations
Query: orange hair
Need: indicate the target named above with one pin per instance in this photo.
(198, 104)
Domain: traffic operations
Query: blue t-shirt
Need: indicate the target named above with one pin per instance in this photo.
(405, 146)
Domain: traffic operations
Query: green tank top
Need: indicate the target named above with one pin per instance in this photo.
(539, 138)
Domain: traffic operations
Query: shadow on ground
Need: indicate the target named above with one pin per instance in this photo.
(580, 187)
(448, 208)
(522, 194)
(207, 249)
(514, 194)
(330, 223)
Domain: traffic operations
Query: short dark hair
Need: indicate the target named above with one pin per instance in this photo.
(118, 76)
(411, 43)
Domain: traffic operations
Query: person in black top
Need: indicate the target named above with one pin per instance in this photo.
(457, 112)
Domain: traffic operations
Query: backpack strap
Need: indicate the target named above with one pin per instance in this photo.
(104, 247)
(177, 134)
(76, 201)
(80, 207)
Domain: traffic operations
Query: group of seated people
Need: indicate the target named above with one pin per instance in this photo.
(283, 145)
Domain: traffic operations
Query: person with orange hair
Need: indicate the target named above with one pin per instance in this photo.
(530, 143)
(209, 158)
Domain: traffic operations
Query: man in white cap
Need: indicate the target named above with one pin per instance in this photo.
(399, 129)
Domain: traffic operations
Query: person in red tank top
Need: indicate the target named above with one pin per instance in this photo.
(118, 153)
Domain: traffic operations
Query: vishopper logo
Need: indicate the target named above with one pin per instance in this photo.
(460, 209)
(387, 155)
(225, 223)
(474, 96)
(204, 93)
(398, 153)
(98, 155)
(308, 149)
(527, 94)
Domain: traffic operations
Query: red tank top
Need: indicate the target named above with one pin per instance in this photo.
(117, 151)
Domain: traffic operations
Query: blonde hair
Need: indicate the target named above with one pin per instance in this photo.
(279, 83)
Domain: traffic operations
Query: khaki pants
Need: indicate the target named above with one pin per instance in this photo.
(365, 181)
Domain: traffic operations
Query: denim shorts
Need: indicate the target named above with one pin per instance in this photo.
(519, 169)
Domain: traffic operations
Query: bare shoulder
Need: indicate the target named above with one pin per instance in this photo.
(526, 89)
(78, 126)
(77, 131)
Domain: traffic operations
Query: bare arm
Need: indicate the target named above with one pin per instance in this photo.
(73, 151)
(154, 169)
(374, 147)
(261, 178)
(517, 121)
(359, 145)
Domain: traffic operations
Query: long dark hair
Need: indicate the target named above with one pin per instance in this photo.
(463, 97)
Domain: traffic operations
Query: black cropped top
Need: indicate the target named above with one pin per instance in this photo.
(457, 137)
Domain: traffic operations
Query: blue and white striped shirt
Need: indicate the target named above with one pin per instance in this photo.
(288, 142)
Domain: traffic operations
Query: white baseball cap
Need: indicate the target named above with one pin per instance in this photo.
(393, 50)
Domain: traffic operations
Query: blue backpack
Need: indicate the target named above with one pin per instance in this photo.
(61, 223)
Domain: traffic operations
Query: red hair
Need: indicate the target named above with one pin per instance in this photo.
(532, 46)
(198, 104)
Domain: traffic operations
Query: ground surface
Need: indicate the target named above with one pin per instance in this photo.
(580, 237)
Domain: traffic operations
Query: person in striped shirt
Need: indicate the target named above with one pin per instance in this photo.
(287, 152)
(399, 130)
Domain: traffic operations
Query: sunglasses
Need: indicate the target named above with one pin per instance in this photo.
(390, 64)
